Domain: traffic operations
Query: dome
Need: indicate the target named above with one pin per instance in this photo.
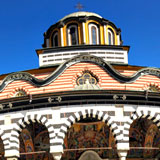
(82, 33)
(78, 14)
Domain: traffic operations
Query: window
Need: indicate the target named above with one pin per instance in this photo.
(55, 39)
(153, 88)
(93, 34)
(86, 78)
(20, 93)
(111, 40)
(72, 32)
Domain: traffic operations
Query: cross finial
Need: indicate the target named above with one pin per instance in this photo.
(79, 6)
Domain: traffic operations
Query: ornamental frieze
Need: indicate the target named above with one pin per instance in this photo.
(81, 58)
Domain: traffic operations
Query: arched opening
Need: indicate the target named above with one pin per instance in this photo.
(1, 150)
(55, 39)
(90, 155)
(93, 34)
(20, 93)
(34, 142)
(111, 39)
(144, 141)
(72, 34)
(89, 134)
(153, 88)
(87, 77)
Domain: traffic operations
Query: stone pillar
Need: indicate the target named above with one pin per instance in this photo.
(62, 40)
(84, 33)
(57, 156)
(105, 34)
(122, 154)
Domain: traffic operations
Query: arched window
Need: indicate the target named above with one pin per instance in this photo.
(20, 93)
(93, 34)
(111, 40)
(72, 32)
(153, 88)
(55, 39)
(86, 78)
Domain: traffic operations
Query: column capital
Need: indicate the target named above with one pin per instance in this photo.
(57, 156)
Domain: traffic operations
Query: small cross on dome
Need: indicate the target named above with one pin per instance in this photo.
(79, 6)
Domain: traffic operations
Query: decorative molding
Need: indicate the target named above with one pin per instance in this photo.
(14, 138)
(148, 114)
(90, 113)
(81, 58)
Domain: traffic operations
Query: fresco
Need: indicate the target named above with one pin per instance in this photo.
(1, 150)
(32, 139)
(89, 135)
(144, 133)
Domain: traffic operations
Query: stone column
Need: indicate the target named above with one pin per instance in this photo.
(57, 156)
(62, 40)
(122, 154)
(105, 34)
(84, 33)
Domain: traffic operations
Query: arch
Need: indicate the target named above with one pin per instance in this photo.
(92, 155)
(5, 140)
(111, 37)
(90, 70)
(55, 39)
(72, 34)
(91, 113)
(22, 123)
(148, 114)
(87, 76)
(93, 33)
(142, 128)
(148, 85)
(23, 89)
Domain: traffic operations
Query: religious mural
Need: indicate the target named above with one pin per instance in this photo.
(144, 139)
(34, 143)
(1, 150)
(95, 136)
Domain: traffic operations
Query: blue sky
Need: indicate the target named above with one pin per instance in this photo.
(23, 22)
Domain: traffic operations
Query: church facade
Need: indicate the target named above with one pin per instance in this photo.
(84, 101)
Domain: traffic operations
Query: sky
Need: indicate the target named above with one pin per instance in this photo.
(23, 22)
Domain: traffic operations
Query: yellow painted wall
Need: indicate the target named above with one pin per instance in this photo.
(101, 33)
(65, 32)
(80, 33)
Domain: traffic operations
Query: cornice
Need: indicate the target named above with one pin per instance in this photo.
(85, 97)
(24, 76)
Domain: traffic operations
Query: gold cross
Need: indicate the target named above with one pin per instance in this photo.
(79, 6)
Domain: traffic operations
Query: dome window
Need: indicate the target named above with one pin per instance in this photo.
(93, 34)
(72, 35)
(111, 40)
(55, 39)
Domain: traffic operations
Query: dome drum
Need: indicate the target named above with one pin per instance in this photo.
(83, 20)
(56, 56)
